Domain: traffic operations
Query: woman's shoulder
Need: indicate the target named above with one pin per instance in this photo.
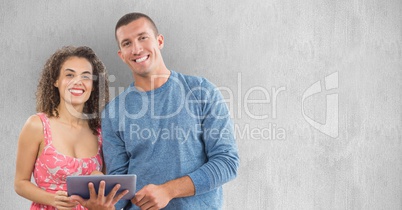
(32, 133)
(34, 125)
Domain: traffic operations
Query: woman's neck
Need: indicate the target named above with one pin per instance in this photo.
(72, 115)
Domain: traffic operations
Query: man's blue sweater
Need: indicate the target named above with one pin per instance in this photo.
(181, 128)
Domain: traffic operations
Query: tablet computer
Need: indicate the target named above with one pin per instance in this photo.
(78, 185)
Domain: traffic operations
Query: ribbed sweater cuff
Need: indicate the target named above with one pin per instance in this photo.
(201, 180)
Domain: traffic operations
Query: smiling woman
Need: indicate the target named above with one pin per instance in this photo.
(63, 138)
(57, 67)
(74, 82)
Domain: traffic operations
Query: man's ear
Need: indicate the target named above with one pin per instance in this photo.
(161, 42)
(119, 53)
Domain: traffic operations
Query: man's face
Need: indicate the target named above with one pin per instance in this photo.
(140, 47)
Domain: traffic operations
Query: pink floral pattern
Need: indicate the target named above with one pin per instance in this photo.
(52, 168)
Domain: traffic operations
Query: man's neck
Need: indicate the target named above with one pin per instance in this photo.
(151, 82)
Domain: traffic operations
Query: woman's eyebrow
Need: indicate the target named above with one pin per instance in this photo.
(72, 70)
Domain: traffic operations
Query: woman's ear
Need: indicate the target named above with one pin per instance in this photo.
(56, 84)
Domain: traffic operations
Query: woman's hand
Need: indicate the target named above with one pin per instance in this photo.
(63, 202)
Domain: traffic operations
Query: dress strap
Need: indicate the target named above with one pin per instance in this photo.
(46, 127)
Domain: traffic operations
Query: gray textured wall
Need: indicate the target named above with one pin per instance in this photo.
(314, 88)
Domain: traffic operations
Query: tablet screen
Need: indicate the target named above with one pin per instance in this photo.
(78, 185)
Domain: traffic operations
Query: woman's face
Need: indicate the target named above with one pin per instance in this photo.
(75, 81)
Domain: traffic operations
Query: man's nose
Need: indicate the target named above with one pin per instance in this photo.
(136, 49)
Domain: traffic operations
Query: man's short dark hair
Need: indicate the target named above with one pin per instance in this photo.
(130, 17)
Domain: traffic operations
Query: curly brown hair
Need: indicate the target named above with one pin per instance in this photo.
(48, 97)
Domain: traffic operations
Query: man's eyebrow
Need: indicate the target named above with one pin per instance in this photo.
(124, 40)
(142, 33)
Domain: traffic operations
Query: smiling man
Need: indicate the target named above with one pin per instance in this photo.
(159, 128)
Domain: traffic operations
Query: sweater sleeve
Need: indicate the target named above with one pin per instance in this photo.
(219, 141)
(115, 156)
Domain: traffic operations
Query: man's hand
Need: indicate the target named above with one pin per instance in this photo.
(152, 197)
(158, 196)
(99, 201)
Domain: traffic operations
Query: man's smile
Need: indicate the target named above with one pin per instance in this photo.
(139, 60)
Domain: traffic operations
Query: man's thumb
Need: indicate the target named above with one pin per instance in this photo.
(78, 199)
